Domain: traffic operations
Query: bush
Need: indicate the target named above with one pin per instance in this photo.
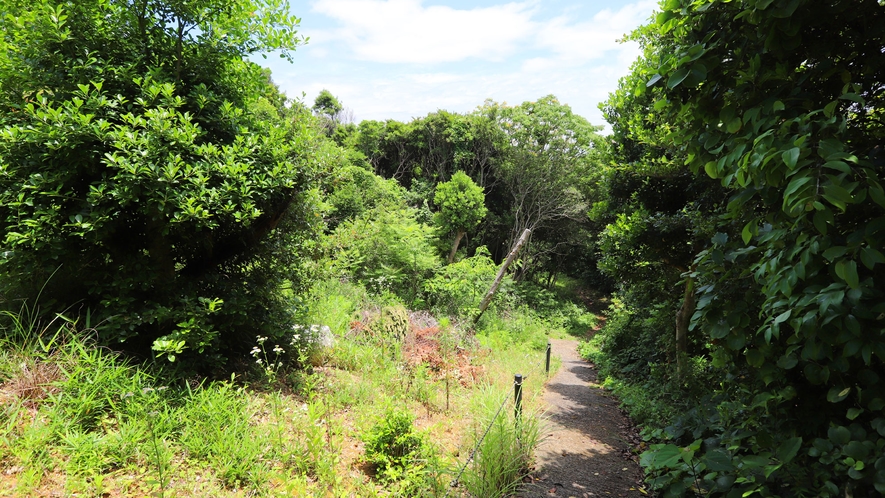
(170, 195)
(397, 452)
(458, 288)
(387, 250)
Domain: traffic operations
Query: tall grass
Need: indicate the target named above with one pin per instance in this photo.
(504, 456)
(82, 417)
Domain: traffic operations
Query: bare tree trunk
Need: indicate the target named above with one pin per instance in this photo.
(510, 257)
(458, 238)
(683, 318)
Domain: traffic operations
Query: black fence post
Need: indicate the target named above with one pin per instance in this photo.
(517, 394)
(547, 367)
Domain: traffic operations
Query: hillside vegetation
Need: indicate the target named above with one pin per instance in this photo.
(208, 288)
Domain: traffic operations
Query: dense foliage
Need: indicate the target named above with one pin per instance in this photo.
(782, 104)
(149, 174)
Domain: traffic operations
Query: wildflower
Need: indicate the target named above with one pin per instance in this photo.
(255, 351)
(258, 361)
(278, 350)
(261, 339)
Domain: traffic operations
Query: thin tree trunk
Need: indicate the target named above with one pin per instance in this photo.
(458, 238)
(683, 319)
(510, 257)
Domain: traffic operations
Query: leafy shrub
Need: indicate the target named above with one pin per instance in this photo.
(633, 339)
(355, 190)
(387, 249)
(459, 287)
(171, 194)
(396, 451)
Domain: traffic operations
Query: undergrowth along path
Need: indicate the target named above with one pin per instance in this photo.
(585, 452)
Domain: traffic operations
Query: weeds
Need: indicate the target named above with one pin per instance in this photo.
(83, 412)
(505, 454)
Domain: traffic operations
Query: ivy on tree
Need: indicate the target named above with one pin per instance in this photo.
(782, 103)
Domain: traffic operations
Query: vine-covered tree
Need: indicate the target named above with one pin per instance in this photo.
(149, 174)
(783, 103)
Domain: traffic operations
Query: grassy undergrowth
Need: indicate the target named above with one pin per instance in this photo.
(77, 419)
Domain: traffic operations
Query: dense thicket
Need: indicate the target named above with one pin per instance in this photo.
(537, 164)
(149, 175)
(782, 104)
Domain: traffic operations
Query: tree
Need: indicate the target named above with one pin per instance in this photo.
(782, 102)
(330, 111)
(550, 152)
(461, 207)
(149, 174)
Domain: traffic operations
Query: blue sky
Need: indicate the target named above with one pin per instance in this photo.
(402, 59)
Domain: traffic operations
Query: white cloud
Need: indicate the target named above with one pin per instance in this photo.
(597, 37)
(574, 57)
(405, 31)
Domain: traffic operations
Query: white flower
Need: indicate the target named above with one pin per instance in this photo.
(258, 361)
(261, 339)
(278, 350)
(255, 351)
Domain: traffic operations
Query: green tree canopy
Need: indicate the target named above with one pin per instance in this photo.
(149, 173)
(461, 205)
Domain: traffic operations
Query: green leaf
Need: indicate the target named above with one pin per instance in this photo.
(854, 98)
(877, 194)
(677, 77)
(839, 435)
(853, 413)
(747, 232)
(791, 157)
(734, 125)
(711, 169)
(654, 79)
(856, 450)
(846, 269)
(835, 252)
(838, 166)
(720, 330)
(755, 358)
(787, 361)
(788, 449)
(720, 239)
(783, 317)
(837, 395)
(871, 257)
(822, 220)
(777, 106)
(830, 108)
(718, 460)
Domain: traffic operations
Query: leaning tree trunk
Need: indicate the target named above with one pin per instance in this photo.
(491, 293)
(458, 238)
(683, 319)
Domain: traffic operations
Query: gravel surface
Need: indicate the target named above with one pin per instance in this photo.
(585, 452)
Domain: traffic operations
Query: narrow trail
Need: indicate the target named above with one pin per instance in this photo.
(582, 454)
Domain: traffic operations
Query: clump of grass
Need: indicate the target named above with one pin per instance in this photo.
(504, 456)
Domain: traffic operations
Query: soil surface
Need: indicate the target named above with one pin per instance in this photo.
(586, 451)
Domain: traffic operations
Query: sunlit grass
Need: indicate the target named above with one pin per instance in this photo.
(80, 419)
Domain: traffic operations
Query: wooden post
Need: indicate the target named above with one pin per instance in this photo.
(510, 257)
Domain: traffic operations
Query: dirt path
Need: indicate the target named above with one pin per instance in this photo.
(583, 454)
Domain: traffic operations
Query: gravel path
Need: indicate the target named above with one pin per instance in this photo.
(584, 453)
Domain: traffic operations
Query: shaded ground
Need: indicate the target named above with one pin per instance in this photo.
(586, 451)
